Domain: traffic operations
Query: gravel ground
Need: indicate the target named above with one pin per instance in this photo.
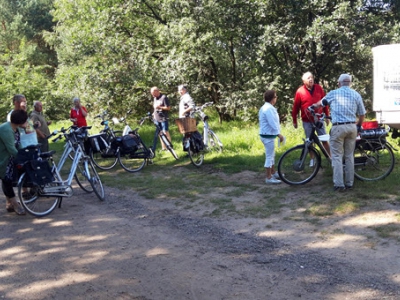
(129, 247)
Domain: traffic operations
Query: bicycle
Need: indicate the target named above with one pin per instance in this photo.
(135, 160)
(373, 157)
(195, 143)
(44, 197)
(102, 153)
(210, 139)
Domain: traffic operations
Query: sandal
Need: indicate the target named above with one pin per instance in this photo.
(9, 207)
(19, 210)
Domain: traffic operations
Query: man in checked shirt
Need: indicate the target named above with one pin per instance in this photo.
(345, 105)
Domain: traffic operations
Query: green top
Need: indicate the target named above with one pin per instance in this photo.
(7, 146)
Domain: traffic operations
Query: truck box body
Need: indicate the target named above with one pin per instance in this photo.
(386, 101)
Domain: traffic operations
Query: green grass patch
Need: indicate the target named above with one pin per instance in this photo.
(391, 230)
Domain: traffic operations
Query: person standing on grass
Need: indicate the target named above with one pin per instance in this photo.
(345, 104)
(306, 95)
(78, 113)
(269, 130)
(160, 114)
(42, 131)
(186, 103)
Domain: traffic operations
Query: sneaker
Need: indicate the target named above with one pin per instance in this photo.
(348, 187)
(339, 188)
(276, 175)
(312, 162)
(272, 180)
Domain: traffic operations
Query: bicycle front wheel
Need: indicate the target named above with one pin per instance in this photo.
(295, 166)
(168, 144)
(214, 142)
(103, 159)
(82, 179)
(373, 160)
(31, 199)
(94, 180)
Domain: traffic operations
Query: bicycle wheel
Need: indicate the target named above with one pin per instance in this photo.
(295, 168)
(168, 144)
(82, 180)
(214, 142)
(94, 180)
(103, 159)
(31, 199)
(132, 162)
(197, 157)
(373, 160)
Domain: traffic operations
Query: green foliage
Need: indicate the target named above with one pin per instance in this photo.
(110, 52)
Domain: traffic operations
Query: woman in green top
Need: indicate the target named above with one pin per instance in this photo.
(9, 139)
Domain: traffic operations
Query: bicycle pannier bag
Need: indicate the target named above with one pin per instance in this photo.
(25, 154)
(198, 139)
(98, 142)
(38, 172)
(129, 143)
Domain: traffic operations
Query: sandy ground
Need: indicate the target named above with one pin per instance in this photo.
(129, 247)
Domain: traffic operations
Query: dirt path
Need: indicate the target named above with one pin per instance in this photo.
(135, 248)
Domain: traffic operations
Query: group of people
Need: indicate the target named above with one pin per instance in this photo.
(162, 106)
(20, 131)
(347, 114)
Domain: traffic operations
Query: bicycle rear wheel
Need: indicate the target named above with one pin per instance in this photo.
(134, 161)
(197, 158)
(103, 159)
(214, 142)
(94, 179)
(31, 199)
(373, 160)
(295, 166)
(168, 144)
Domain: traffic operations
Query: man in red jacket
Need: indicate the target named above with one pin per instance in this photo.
(306, 95)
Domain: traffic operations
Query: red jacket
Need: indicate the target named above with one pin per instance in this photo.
(81, 120)
(303, 99)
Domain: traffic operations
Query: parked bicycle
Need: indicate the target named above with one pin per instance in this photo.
(210, 139)
(102, 152)
(195, 143)
(44, 196)
(134, 161)
(373, 156)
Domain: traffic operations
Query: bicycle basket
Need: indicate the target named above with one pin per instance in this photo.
(186, 125)
(98, 142)
(38, 172)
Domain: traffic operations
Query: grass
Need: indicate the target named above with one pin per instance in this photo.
(172, 180)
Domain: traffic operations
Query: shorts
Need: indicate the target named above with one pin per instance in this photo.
(308, 129)
(164, 125)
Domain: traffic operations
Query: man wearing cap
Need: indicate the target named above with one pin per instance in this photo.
(345, 105)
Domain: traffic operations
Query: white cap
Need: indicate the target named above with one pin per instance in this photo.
(344, 77)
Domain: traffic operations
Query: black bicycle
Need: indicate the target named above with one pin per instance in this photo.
(373, 156)
(134, 161)
(102, 152)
